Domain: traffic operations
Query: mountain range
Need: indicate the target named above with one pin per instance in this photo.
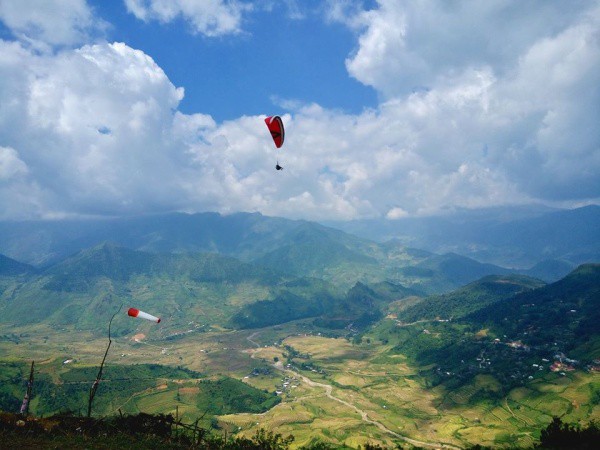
(506, 236)
(434, 254)
(194, 292)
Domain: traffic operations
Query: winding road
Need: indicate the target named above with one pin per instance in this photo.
(329, 393)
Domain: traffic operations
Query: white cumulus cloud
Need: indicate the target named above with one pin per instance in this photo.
(207, 17)
(94, 127)
(408, 46)
(43, 23)
(482, 103)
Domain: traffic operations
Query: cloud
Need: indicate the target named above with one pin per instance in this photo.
(98, 131)
(43, 24)
(210, 18)
(554, 91)
(408, 46)
(10, 164)
(93, 126)
(516, 79)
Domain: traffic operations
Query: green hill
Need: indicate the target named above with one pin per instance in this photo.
(122, 264)
(439, 273)
(310, 251)
(243, 236)
(212, 288)
(472, 297)
(86, 288)
(550, 270)
(359, 307)
(521, 329)
(566, 313)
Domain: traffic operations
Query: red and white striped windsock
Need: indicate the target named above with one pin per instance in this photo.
(142, 315)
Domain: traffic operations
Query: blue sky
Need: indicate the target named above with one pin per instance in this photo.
(392, 109)
(275, 56)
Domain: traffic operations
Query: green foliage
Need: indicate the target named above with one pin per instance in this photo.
(229, 396)
(70, 393)
(139, 431)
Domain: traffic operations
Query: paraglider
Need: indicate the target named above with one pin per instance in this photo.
(275, 126)
(133, 312)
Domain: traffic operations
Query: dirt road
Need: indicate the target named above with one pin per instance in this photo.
(329, 393)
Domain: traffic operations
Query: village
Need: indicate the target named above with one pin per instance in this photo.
(521, 362)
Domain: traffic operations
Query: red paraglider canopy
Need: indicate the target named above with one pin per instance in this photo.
(275, 125)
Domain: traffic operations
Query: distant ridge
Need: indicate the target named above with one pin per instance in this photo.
(518, 237)
(243, 235)
(118, 263)
(9, 267)
(297, 248)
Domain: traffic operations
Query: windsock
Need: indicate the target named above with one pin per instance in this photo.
(142, 315)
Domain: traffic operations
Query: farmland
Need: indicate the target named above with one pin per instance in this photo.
(329, 387)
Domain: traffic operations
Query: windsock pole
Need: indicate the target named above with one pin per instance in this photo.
(99, 376)
(25, 405)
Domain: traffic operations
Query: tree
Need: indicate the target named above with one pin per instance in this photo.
(559, 435)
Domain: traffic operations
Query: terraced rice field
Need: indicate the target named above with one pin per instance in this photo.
(364, 394)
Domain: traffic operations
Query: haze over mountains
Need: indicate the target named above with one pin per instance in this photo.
(510, 237)
(544, 244)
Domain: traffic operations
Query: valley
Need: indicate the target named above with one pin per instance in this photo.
(299, 329)
(330, 388)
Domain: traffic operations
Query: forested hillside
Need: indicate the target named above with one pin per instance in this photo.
(513, 329)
